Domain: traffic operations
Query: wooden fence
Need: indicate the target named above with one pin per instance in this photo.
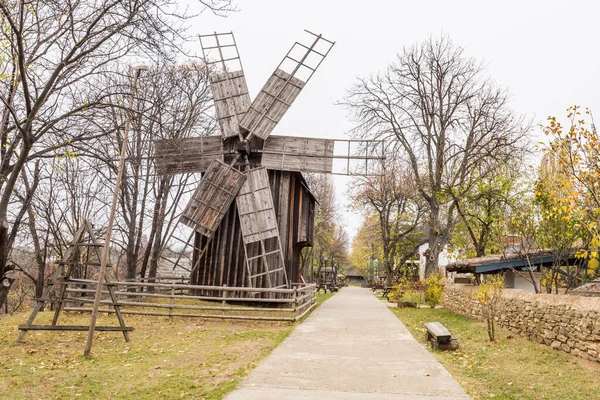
(184, 300)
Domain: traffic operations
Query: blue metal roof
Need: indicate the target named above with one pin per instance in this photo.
(518, 263)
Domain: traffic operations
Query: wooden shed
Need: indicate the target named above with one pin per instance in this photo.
(224, 262)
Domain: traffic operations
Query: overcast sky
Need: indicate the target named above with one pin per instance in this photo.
(544, 52)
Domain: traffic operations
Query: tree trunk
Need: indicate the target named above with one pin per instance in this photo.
(39, 255)
(389, 269)
(4, 249)
(5, 285)
(158, 244)
(431, 264)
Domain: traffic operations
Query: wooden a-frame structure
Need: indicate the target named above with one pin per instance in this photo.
(82, 255)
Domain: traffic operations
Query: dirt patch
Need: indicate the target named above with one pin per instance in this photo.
(593, 366)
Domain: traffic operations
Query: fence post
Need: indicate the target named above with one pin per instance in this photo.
(295, 313)
(172, 300)
(224, 302)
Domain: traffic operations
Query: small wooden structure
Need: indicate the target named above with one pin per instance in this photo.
(256, 240)
(439, 337)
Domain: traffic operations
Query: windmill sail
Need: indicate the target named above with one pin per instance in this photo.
(186, 155)
(212, 198)
(284, 85)
(227, 81)
(302, 154)
(232, 100)
(260, 233)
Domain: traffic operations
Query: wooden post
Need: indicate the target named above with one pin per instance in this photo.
(172, 299)
(224, 302)
(295, 313)
(111, 220)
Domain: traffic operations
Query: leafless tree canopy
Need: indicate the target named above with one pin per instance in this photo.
(437, 110)
(59, 80)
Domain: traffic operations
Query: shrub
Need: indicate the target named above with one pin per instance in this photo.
(489, 294)
(434, 286)
(407, 290)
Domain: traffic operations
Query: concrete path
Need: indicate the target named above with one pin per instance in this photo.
(351, 347)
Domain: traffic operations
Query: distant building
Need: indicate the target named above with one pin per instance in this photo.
(165, 268)
(445, 258)
(514, 266)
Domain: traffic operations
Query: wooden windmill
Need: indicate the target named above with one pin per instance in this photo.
(238, 165)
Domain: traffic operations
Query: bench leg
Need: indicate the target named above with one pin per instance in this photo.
(452, 344)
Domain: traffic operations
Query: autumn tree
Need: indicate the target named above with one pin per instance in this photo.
(549, 220)
(483, 212)
(575, 152)
(392, 198)
(523, 221)
(562, 222)
(330, 243)
(442, 114)
(53, 52)
(366, 246)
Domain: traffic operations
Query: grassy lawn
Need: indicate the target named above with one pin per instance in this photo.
(512, 368)
(165, 359)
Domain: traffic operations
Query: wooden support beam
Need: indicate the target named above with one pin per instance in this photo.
(73, 328)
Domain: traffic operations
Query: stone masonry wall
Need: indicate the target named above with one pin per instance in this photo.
(563, 322)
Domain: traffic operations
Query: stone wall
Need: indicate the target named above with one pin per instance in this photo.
(567, 323)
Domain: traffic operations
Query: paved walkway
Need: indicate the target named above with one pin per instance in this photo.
(352, 347)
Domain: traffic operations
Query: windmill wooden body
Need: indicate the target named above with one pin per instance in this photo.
(256, 240)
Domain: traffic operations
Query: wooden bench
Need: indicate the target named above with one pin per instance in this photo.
(440, 337)
(377, 286)
(325, 287)
(386, 293)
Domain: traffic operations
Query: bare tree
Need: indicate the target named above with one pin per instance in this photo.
(180, 107)
(440, 113)
(53, 51)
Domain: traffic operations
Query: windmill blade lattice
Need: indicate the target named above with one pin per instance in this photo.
(284, 85)
(227, 81)
(247, 164)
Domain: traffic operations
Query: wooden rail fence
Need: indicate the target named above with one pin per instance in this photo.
(184, 300)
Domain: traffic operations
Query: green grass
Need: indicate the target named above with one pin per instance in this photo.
(165, 359)
(321, 297)
(512, 368)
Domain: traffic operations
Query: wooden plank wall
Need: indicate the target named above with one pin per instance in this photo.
(274, 99)
(224, 261)
(300, 154)
(255, 205)
(212, 198)
(232, 100)
(185, 155)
